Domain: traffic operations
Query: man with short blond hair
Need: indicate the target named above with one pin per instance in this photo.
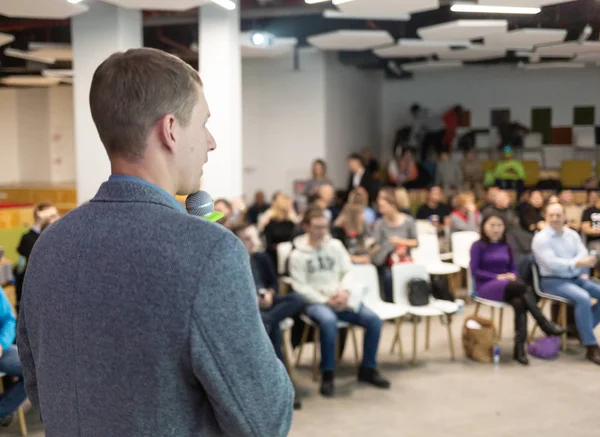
(135, 315)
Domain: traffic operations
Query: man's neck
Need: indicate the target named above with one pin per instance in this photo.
(433, 205)
(313, 244)
(559, 230)
(121, 167)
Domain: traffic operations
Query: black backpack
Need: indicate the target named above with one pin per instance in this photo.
(418, 292)
(440, 289)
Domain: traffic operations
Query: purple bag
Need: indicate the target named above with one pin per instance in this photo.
(545, 348)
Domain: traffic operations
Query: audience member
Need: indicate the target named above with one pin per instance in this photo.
(403, 201)
(511, 134)
(395, 235)
(590, 226)
(326, 201)
(452, 120)
(530, 217)
(257, 208)
(592, 197)
(428, 131)
(403, 170)
(448, 175)
(10, 365)
(43, 215)
(352, 231)
(510, 173)
(320, 268)
(563, 261)
(359, 197)
(472, 172)
(553, 198)
(573, 211)
(523, 201)
(494, 269)
(490, 199)
(360, 176)
(435, 211)
(371, 164)
(278, 224)
(274, 308)
(318, 178)
(465, 216)
(233, 212)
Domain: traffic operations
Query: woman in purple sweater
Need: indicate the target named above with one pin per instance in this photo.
(495, 274)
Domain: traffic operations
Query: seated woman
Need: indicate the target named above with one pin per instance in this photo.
(530, 216)
(278, 224)
(351, 231)
(395, 235)
(403, 169)
(359, 196)
(465, 216)
(494, 271)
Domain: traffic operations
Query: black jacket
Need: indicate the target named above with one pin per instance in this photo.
(366, 181)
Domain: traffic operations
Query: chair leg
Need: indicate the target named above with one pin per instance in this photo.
(493, 311)
(393, 348)
(477, 306)
(399, 339)
(286, 348)
(22, 424)
(427, 332)
(355, 343)
(337, 347)
(315, 351)
(450, 340)
(302, 342)
(563, 323)
(500, 323)
(414, 355)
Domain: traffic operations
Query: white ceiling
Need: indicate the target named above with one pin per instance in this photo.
(351, 39)
(463, 29)
(525, 39)
(28, 56)
(170, 5)
(413, 48)
(53, 9)
(473, 54)
(387, 8)
(5, 38)
(568, 49)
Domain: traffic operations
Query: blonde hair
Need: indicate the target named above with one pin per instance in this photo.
(402, 199)
(351, 215)
(281, 208)
(461, 200)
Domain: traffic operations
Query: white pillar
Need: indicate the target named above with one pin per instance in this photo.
(96, 34)
(221, 73)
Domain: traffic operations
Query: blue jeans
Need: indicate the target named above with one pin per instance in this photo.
(579, 292)
(283, 307)
(327, 319)
(15, 396)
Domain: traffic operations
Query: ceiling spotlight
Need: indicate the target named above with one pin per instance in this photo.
(74, 2)
(261, 39)
(483, 9)
(312, 2)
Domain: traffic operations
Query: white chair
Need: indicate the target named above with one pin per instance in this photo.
(283, 252)
(493, 304)
(20, 411)
(461, 252)
(545, 297)
(402, 274)
(366, 274)
(425, 227)
(428, 254)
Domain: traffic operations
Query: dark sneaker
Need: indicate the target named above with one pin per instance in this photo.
(593, 354)
(373, 377)
(297, 401)
(327, 386)
(7, 421)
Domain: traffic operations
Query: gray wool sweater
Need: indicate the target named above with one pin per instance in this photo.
(140, 320)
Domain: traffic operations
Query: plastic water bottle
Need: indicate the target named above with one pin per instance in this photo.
(496, 355)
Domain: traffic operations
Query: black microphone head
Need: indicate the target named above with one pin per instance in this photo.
(200, 204)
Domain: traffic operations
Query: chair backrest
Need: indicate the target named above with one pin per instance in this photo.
(366, 275)
(461, 247)
(535, 276)
(283, 253)
(402, 274)
(428, 250)
(425, 227)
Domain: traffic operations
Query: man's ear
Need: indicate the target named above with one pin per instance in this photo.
(166, 128)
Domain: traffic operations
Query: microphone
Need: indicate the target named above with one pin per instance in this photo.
(201, 204)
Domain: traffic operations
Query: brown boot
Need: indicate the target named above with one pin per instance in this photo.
(593, 354)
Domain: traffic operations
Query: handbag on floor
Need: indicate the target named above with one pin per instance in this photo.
(479, 336)
(546, 348)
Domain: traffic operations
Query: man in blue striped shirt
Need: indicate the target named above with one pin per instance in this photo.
(563, 261)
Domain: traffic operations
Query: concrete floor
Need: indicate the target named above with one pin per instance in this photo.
(438, 397)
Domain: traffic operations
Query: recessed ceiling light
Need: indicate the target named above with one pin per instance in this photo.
(484, 9)
(74, 1)
(227, 4)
